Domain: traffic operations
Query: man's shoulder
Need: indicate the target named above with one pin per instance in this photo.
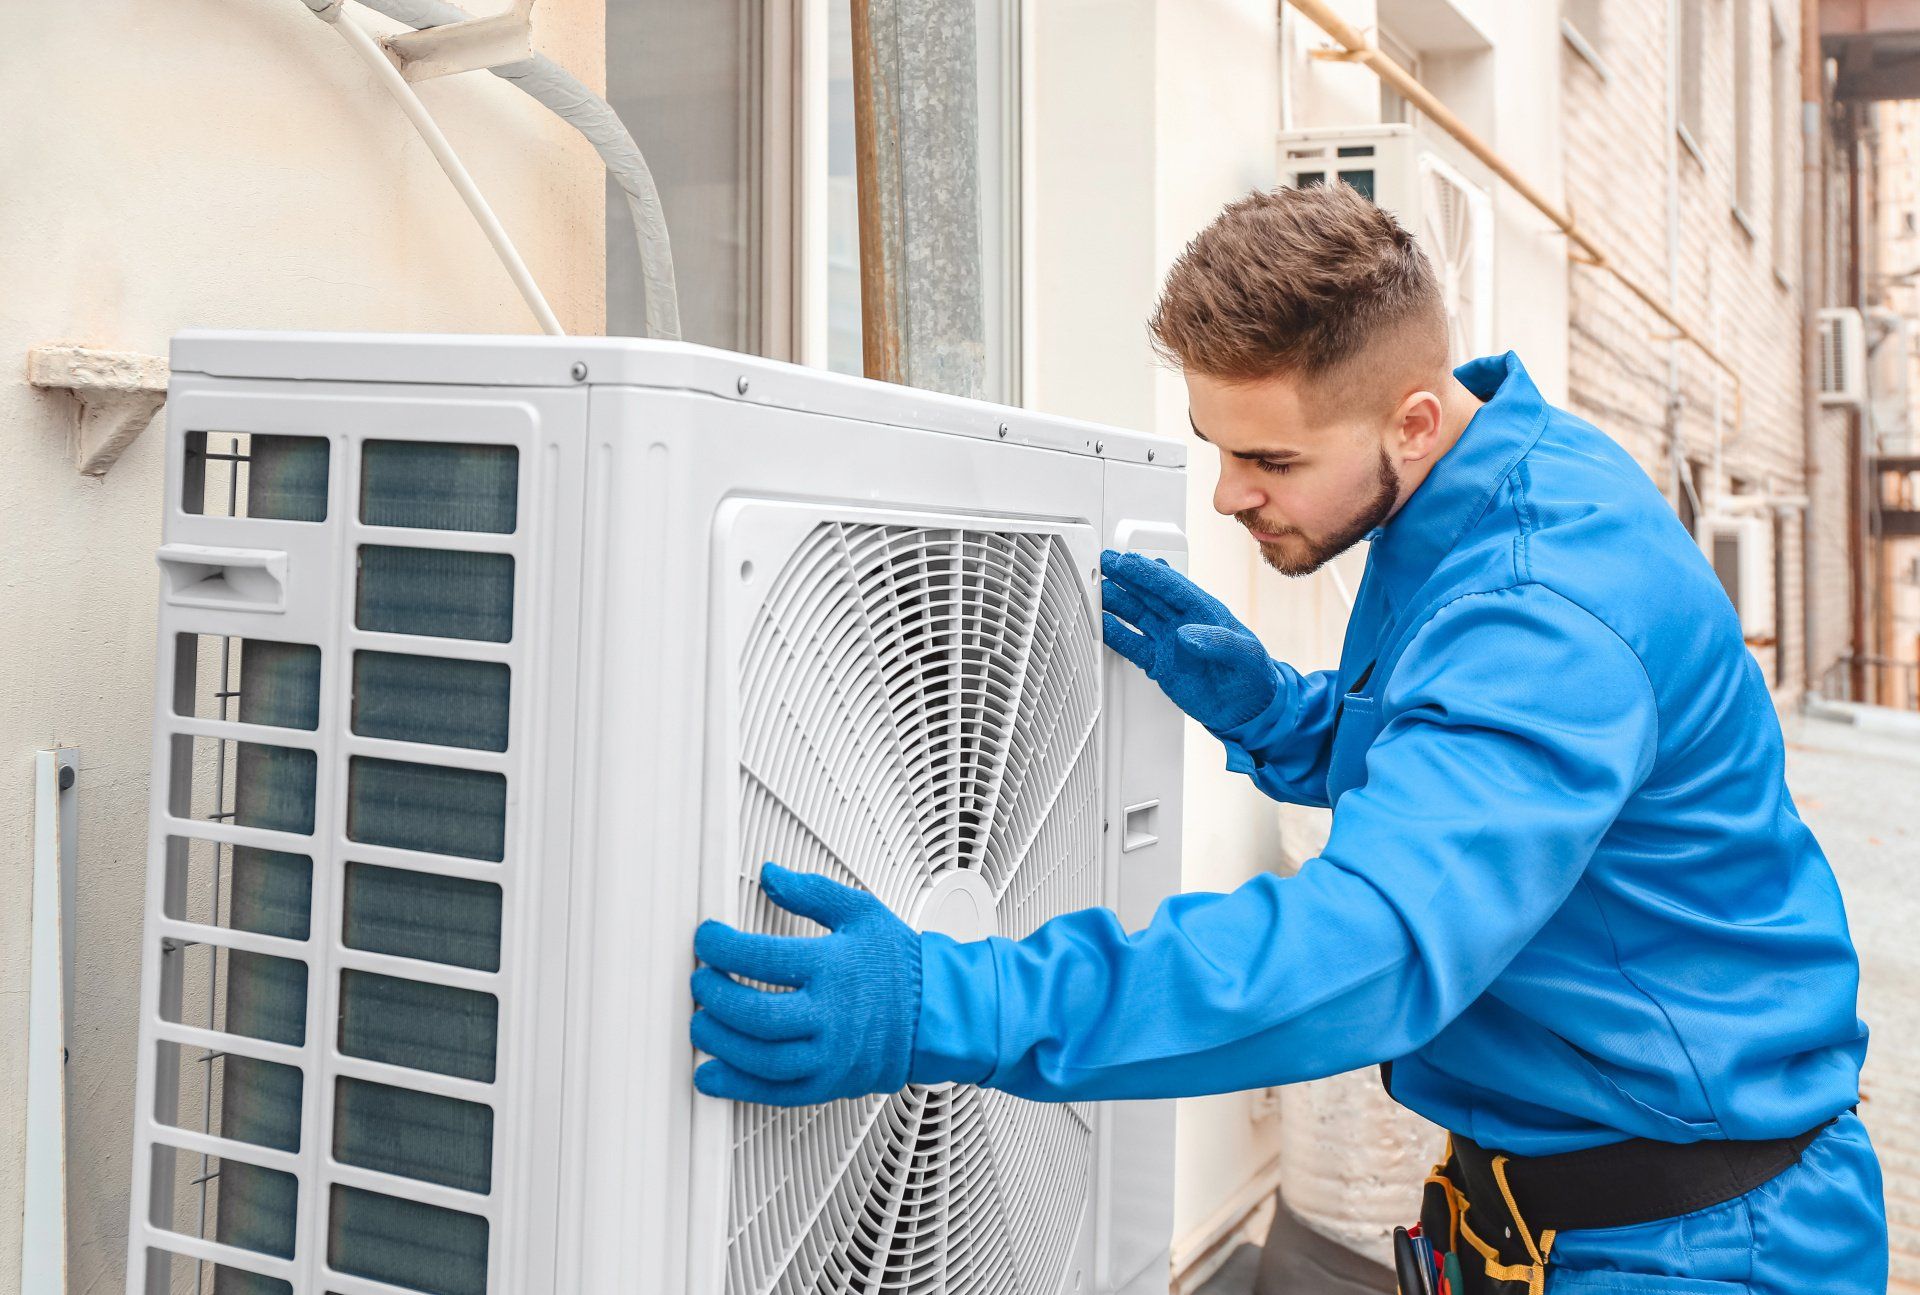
(1579, 517)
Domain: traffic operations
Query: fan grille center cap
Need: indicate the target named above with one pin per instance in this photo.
(958, 904)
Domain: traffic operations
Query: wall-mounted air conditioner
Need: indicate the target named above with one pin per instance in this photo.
(1449, 210)
(1843, 357)
(1741, 550)
(1889, 366)
(488, 666)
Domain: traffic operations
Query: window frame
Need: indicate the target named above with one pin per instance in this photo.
(1395, 108)
(1582, 27)
(1689, 91)
(1784, 82)
(795, 219)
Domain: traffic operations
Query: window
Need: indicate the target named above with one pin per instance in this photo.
(1394, 108)
(746, 115)
(829, 326)
(686, 79)
(837, 316)
(1743, 111)
(1687, 70)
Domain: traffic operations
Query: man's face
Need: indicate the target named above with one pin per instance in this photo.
(1308, 482)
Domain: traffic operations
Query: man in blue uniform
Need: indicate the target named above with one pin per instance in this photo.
(1566, 898)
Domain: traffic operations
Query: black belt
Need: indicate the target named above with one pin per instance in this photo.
(1625, 1183)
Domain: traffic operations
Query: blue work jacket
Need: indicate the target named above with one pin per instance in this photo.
(1566, 891)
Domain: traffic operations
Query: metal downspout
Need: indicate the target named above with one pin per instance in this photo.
(1812, 292)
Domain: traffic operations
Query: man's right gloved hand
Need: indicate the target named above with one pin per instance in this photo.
(1207, 662)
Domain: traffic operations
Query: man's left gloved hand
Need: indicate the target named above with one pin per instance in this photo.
(844, 1028)
(1208, 663)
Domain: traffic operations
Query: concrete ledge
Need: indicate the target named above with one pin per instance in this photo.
(1878, 719)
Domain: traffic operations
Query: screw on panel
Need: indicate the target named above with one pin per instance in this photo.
(1099, 447)
(579, 371)
(1003, 431)
(1149, 456)
(741, 385)
(66, 777)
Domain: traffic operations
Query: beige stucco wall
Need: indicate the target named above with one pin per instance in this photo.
(200, 163)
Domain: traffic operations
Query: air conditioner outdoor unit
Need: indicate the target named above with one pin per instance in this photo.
(1889, 370)
(1446, 208)
(1843, 357)
(1741, 550)
(487, 667)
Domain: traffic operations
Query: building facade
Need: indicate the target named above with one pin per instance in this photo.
(235, 168)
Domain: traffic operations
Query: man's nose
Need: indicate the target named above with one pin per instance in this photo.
(1235, 492)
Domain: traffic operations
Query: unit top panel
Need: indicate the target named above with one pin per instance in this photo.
(499, 360)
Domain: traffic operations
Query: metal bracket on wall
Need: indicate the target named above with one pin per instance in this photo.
(119, 394)
(43, 1234)
(464, 46)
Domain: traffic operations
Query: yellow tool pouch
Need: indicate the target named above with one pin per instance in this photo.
(1495, 1215)
(1468, 1212)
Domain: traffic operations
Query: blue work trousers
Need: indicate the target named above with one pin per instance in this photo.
(1820, 1226)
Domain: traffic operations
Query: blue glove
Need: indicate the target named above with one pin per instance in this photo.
(1208, 663)
(845, 1027)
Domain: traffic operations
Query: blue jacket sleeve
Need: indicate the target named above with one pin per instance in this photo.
(1514, 729)
(1285, 748)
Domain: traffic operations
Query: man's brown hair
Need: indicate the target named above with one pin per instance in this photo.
(1302, 281)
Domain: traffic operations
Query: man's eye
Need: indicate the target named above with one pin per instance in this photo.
(1268, 465)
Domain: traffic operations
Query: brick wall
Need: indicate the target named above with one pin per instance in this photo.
(1735, 284)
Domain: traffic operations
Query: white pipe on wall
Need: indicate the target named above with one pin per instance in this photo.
(568, 98)
(436, 141)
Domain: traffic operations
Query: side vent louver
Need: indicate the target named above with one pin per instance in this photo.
(1843, 357)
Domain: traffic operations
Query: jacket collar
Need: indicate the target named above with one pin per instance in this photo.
(1460, 486)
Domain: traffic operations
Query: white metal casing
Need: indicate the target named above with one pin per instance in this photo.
(1444, 200)
(1843, 356)
(1889, 367)
(661, 488)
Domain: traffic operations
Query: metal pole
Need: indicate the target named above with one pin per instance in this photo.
(1812, 292)
(875, 165)
(1856, 510)
(43, 1253)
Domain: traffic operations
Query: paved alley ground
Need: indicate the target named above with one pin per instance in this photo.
(1860, 792)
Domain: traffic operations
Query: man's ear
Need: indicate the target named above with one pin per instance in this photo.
(1417, 423)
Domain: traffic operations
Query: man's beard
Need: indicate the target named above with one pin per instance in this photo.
(1378, 508)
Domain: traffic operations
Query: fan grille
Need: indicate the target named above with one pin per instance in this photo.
(917, 700)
